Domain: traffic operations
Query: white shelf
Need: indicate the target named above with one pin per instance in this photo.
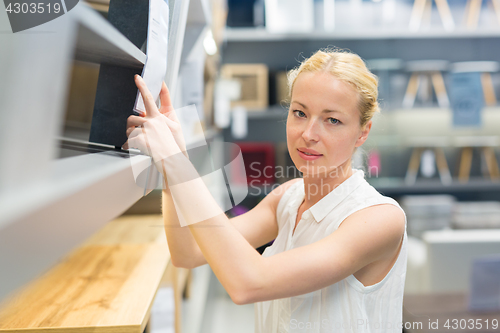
(100, 42)
(262, 35)
(49, 207)
(197, 23)
(56, 213)
(193, 35)
(199, 13)
(396, 186)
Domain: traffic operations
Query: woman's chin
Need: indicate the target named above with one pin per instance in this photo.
(310, 170)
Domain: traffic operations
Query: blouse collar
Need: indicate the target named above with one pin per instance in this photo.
(321, 209)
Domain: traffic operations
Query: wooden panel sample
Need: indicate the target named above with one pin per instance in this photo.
(107, 285)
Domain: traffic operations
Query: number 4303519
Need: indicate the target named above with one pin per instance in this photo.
(33, 8)
(471, 324)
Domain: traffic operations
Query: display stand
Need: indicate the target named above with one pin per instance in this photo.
(422, 9)
(487, 147)
(473, 10)
(485, 68)
(419, 145)
(422, 72)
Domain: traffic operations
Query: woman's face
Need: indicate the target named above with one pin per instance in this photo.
(323, 125)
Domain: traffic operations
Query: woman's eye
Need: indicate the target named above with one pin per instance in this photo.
(334, 121)
(299, 113)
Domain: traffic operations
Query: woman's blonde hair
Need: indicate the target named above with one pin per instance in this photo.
(347, 67)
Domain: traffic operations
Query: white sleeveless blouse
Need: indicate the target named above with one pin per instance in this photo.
(348, 305)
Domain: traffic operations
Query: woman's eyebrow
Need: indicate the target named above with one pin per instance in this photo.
(331, 111)
(305, 107)
(324, 111)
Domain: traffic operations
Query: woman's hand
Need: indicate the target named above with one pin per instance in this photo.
(166, 109)
(152, 133)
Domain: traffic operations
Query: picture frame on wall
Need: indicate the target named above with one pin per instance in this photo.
(254, 79)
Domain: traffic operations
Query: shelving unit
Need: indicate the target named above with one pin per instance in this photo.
(475, 189)
(51, 205)
(390, 134)
(262, 35)
(273, 112)
(394, 126)
(281, 51)
(99, 42)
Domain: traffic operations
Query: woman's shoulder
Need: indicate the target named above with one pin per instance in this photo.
(367, 193)
(374, 205)
(369, 199)
(384, 216)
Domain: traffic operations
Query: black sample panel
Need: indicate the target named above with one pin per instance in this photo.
(116, 90)
(115, 98)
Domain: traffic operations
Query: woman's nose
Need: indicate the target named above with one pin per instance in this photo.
(311, 131)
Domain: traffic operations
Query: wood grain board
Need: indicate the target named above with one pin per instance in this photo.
(106, 285)
(133, 229)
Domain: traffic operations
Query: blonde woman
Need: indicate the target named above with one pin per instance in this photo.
(338, 260)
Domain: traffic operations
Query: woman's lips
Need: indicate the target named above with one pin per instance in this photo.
(308, 156)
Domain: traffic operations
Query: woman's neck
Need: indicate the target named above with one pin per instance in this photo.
(317, 187)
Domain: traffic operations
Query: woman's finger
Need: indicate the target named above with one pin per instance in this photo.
(132, 142)
(149, 102)
(166, 102)
(173, 125)
(129, 131)
(139, 142)
(171, 115)
(135, 121)
(135, 132)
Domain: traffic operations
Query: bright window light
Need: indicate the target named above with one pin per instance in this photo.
(209, 43)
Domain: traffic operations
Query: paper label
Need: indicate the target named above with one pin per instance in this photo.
(155, 68)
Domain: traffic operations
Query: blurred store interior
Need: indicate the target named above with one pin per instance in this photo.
(434, 147)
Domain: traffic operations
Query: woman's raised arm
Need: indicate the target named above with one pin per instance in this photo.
(258, 226)
(366, 236)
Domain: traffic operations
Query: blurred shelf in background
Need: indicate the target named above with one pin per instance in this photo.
(263, 35)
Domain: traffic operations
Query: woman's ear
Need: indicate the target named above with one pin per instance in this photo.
(364, 134)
